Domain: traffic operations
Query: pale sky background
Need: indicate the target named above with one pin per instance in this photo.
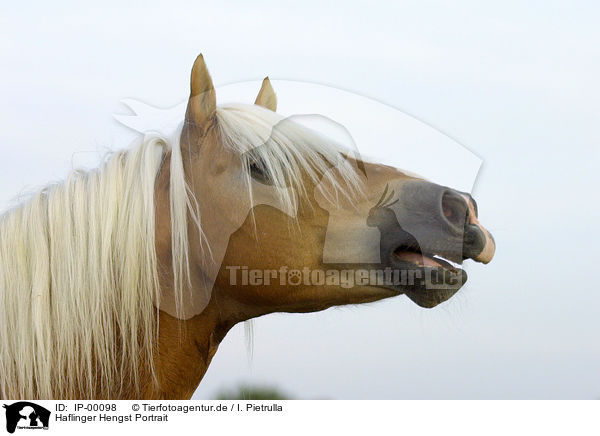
(517, 84)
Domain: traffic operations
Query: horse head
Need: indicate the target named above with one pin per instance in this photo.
(275, 199)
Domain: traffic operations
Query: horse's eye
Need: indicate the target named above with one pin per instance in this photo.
(260, 173)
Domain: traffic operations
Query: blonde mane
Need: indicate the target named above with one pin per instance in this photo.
(79, 286)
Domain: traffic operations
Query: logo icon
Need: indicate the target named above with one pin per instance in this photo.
(26, 415)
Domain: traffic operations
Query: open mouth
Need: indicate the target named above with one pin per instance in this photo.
(437, 277)
(414, 256)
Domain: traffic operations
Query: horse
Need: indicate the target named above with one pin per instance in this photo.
(121, 281)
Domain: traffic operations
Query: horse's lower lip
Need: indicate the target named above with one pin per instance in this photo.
(438, 279)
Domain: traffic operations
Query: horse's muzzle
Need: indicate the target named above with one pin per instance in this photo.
(430, 229)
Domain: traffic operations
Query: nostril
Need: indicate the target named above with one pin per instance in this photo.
(454, 208)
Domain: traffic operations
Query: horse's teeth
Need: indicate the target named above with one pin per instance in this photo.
(454, 264)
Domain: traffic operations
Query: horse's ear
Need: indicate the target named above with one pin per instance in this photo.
(266, 97)
(202, 105)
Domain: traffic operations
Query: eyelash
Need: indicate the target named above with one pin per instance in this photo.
(260, 173)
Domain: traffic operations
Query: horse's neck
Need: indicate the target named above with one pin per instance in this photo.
(185, 350)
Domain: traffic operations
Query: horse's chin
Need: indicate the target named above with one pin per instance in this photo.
(431, 298)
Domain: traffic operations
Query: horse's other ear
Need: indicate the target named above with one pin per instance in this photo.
(266, 97)
(202, 105)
